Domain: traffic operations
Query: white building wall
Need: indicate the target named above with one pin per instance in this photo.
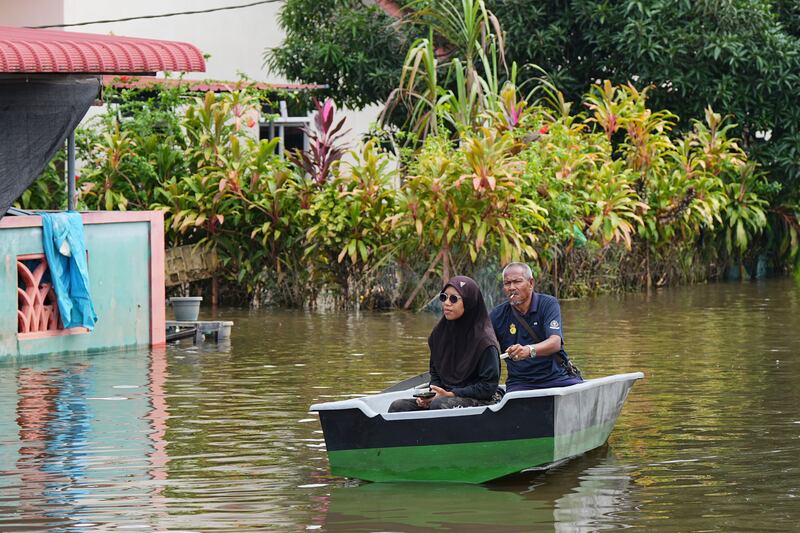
(235, 40)
(31, 12)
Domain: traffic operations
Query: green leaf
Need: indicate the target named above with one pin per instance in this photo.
(481, 237)
(351, 250)
(364, 252)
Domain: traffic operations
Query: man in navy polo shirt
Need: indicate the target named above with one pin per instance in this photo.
(534, 362)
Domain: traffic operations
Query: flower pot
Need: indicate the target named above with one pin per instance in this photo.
(187, 308)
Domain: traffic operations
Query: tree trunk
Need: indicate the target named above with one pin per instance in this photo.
(555, 275)
(445, 263)
(214, 291)
(422, 281)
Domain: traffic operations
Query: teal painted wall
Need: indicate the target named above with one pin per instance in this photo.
(119, 273)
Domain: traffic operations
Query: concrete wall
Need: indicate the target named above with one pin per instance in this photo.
(235, 39)
(31, 12)
(127, 283)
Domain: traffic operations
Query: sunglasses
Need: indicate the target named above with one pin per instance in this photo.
(453, 298)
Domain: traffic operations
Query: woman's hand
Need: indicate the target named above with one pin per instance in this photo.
(441, 392)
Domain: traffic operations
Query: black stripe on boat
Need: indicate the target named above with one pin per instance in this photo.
(349, 429)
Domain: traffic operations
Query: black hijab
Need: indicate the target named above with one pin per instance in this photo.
(457, 345)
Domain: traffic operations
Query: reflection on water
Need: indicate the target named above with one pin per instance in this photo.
(79, 440)
(219, 437)
(423, 507)
(52, 432)
(578, 495)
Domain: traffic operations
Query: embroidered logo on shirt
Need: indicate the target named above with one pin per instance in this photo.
(513, 329)
(554, 324)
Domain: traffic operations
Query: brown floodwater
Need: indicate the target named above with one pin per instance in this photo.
(218, 437)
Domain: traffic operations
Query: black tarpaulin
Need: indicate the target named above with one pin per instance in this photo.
(36, 116)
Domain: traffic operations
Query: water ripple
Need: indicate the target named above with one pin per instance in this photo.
(219, 438)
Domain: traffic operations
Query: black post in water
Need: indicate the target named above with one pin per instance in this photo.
(71, 171)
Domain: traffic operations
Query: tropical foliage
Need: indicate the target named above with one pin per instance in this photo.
(605, 193)
(346, 44)
(740, 58)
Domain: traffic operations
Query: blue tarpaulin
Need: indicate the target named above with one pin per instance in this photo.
(65, 250)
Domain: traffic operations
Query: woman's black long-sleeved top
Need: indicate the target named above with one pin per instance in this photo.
(483, 382)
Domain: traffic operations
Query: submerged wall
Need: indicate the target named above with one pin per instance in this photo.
(126, 273)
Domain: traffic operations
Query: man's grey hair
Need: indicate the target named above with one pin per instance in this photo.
(527, 273)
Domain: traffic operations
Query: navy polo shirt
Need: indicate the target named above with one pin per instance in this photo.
(544, 317)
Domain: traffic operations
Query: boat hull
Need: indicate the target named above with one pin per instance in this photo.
(525, 430)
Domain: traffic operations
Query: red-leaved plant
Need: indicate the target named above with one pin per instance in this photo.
(324, 147)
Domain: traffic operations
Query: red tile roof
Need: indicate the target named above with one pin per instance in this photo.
(143, 82)
(24, 50)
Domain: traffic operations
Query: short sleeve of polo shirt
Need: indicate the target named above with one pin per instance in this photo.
(550, 316)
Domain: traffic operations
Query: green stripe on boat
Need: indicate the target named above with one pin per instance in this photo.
(473, 462)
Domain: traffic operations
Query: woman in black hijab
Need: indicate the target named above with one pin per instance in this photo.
(465, 359)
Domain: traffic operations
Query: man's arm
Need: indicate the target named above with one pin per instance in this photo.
(542, 349)
(551, 318)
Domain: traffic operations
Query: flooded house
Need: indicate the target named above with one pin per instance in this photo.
(48, 81)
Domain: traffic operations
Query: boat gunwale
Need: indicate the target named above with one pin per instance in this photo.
(360, 404)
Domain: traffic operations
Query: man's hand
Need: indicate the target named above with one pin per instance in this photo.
(518, 351)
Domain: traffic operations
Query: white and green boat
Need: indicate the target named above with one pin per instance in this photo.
(528, 429)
